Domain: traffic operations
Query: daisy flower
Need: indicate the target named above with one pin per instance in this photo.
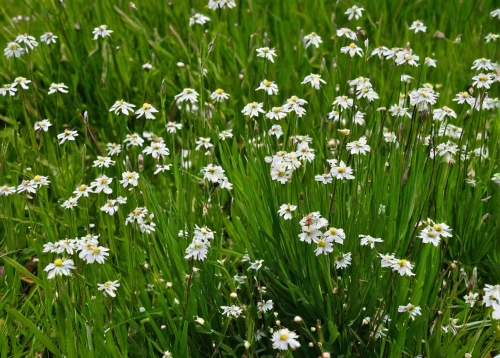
(22, 81)
(286, 211)
(188, 94)
(58, 87)
(354, 12)
(199, 19)
(129, 178)
(109, 288)
(342, 172)
(48, 38)
(67, 135)
(312, 39)
(253, 109)
(13, 49)
(284, 339)
(59, 267)
(367, 240)
(101, 31)
(266, 53)
(8, 89)
(411, 309)
(418, 26)
(269, 86)
(197, 250)
(352, 50)
(403, 267)
(314, 80)
(7, 190)
(219, 95)
(122, 106)
(147, 110)
(173, 127)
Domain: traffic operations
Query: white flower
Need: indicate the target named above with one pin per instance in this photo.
(197, 250)
(312, 39)
(314, 80)
(276, 130)
(495, 13)
(28, 186)
(441, 113)
(122, 106)
(233, 310)
(188, 94)
(406, 57)
(70, 203)
(256, 265)
(7, 190)
(347, 33)
(358, 147)
(228, 133)
(219, 95)
(8, 89)
(335, 235)
(380, 52)
(213, 173)
(59, 267)
(266, 53)
(113, 148)
(27, 40)
(483, 64)
(101, 31)
(387, 260)
(67, 135)
(324, 245)
(398, 111)
(203, 142)
(403, 267)
(430, 62)
(13, 49)
(368, 240)
(482, 80)
(198, 19)
(48, 38)
(464, 97)
(129, 178)
(354, 12)
(411, 309)
(418, 26)
(22, 81)
(173, 127)
(94, 253)
(286, 211)
(109, 288)
(276, 113)
(147, 110)
(284, 339)
(265, 306)
(269, 86)
(133, 140)
(157, 150)
(352, 50)
(102, 184)
(103, 162)
(471, 298)
(343, 101)
(58, 87)
(221, 4)
(253, 109)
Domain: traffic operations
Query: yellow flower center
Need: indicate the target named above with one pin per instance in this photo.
(58, 262)
(352, 45)
(219, 91)
(283, 336)
(37, 178)
(483, 78)
(95, 250)
(402, 263)
(267, 83)
(333, 231)
(146, 106)
(197, 245)
(341, 170)
(321, 243)
(438, 227)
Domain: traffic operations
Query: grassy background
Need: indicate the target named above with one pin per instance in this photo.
(61, 317)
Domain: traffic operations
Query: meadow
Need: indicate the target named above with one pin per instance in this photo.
(249, 178)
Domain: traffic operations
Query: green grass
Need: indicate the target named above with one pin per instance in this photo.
(68, 316)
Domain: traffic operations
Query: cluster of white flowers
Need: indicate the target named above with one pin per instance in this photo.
(433, 232)
(215, 174)
(401, 266)
(198, 249)
(28, 186)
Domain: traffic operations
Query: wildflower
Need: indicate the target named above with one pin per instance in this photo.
(113, 148)
(226, 134)
(103, 162)
(253, 109)
(368, 240)
(13, 49)
(269, 86)
(6, 190)
(276, 130)
(418, 26)
(94, 253)
(256, 265)
(187, 94)
(58, 87)
(403, 267)
(335, 235)
(172, 127)
(221, 4)
(199, 19)
(312, 39)
(343, 260)
(406, 57)
(22, 81)
(124, 107)
(265, 306)
(266, 53)
(324, 178)
(233, 310)
(109, 287)
(406, 78)
(27, 40)
(347, 33)
(464, 97)
(67, 135)
(147, 110)
(314, 80)
(101, 31)
(286, 211)
(294, 104)
(324, 245)
(423, 96)
(445, 150)
(471, 298)
(387, 260)
(411, 309)
(342, 172)
(197, 250)
(42, 125)
(284, 339)
(495, 13)
(379, 51)
(59, 267)
(483, 64)
(343, 101)
(482, 80)
(354, 12)
(28, 186)
(203, 142)
(430, 62)
(352, 50)
(441, 113)
(488, 38)
(102, 184)
(129, 178)
(133, 140)
(219, 95)
(70, 203)
(157, 150)
(48, 38)
(8, 89)
(358, 147)
(368, 93)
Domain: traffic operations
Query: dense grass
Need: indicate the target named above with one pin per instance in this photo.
(162, 295)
